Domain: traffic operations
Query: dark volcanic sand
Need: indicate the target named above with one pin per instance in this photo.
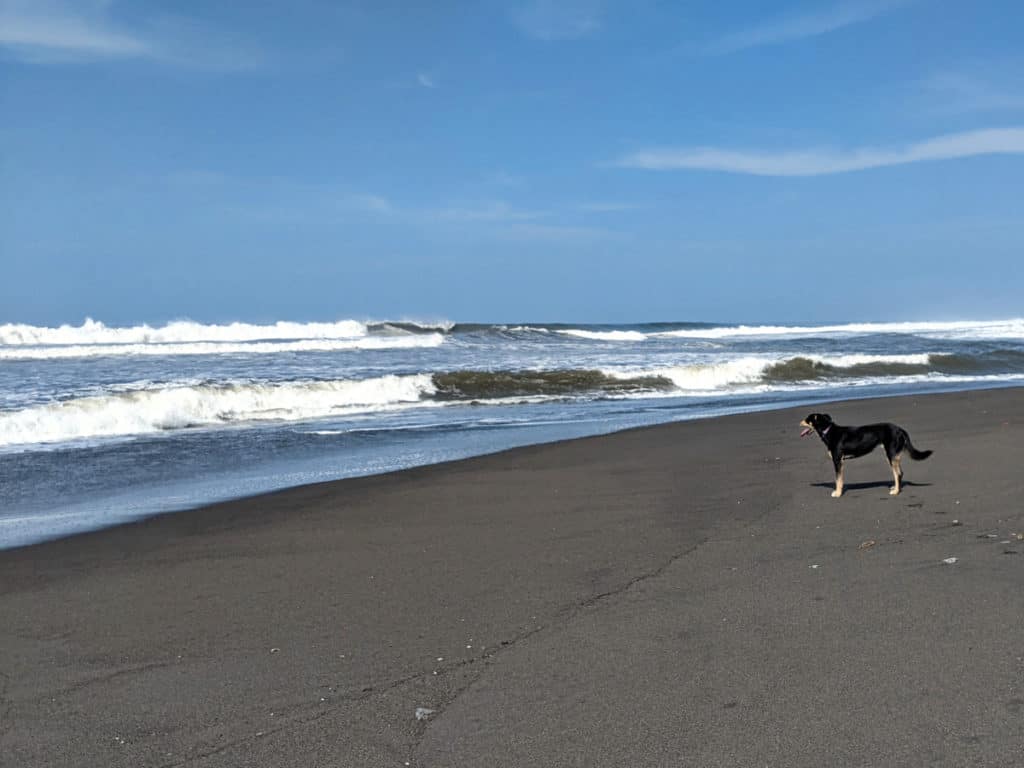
(683, 595)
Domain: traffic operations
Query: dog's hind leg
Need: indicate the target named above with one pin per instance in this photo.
(894, 452)
(839, 479)
(897, 474)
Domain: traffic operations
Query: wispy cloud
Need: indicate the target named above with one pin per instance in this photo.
(40, 29)
(367, 202)
(606, 207)
(294, 201)
(806, 25)
(961, 92)
(558, 233)
(59, 32)
(425, 80)
(550, 20)
(491, 211)
(819, 162)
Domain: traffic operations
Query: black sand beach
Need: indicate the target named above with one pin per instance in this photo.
(683, 595)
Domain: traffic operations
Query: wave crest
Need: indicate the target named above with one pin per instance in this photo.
(181, 331)
(220, 348)
(157, 409)
(981, 329)
(144, 408)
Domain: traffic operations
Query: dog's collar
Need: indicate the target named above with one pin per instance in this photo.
(825, 430)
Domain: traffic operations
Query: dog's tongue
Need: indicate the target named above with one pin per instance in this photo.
(806, 432)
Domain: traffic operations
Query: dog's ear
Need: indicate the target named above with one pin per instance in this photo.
(825, 418)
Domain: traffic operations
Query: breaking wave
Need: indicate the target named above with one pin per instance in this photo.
(219, 348)
(411, 326)
(182, 331)
(159, 409)
(605, 335)
(94, 333)
(811, 368)
(703, 377)
(965, 330)
(987, 329)
(146, 408)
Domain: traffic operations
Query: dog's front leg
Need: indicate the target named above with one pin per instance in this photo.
(838, 463)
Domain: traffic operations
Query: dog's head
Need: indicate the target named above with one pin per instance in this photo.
(816, 422)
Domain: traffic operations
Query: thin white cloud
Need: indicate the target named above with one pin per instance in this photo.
(289, 200)
(506, 179)
(819, 162)
(960, 92)
(37, 30)
(606, 207)
(426, 80)
(491, 211)
(803, 26)
(59, 32)
(557, 233)
(550, 20)
(368, 202)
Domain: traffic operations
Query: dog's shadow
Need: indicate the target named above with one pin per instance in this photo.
(866, 486)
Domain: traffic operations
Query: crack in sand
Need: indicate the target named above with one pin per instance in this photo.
(637, 579)
(351, 696)
(244, 740)
(565, 618)
(111, 675)
(367, 692)
(332, 703)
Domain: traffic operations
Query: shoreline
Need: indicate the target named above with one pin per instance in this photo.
(217, 501)
(626, 598)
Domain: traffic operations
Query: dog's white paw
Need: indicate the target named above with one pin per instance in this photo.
(894, 491)
(836, 494)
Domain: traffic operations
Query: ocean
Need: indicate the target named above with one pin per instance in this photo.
(100, 425)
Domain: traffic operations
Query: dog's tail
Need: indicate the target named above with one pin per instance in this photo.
(915, 454)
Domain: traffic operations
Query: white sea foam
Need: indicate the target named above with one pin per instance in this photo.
(750, 370)
(701, 376)
(145, 407)
(219, 348)
(967, 329)
(444, 326)
(94, 332)
(847, 361)
(605, 335)
(170, 407)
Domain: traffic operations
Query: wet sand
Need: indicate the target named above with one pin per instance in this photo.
(682, 595)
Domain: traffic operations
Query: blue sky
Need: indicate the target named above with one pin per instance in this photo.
(580, 161)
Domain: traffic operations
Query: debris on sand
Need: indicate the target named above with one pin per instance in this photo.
(422, 713)
(950, 560)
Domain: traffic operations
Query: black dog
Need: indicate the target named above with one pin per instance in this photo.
(851, 442)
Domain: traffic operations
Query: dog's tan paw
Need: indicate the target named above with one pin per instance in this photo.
(894, 491)
(836, 494)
